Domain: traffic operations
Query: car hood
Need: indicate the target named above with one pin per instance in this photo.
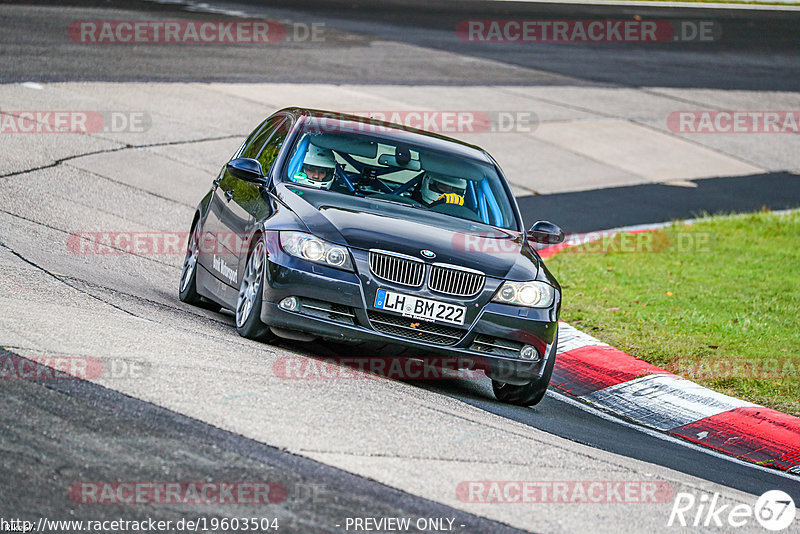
(367, 224)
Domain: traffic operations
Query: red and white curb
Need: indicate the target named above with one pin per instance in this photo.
(617, 382)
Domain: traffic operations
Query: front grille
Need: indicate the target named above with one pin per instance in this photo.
(397, 269)
(421, 331)
(327, 310)
(492, 345)
(454, 281)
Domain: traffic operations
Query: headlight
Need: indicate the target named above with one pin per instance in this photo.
(308, 247)
(529, 294)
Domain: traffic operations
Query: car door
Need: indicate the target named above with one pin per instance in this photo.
(234, 208)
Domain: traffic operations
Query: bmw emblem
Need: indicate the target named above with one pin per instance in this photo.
(427, 254)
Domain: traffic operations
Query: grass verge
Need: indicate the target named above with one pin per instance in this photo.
(717, 301)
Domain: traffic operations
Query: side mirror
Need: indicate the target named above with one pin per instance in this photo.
(247, 169)
(546, 232)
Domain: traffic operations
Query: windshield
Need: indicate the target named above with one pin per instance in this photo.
(368, 165)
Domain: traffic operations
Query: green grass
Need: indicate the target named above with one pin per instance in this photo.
(717, 302)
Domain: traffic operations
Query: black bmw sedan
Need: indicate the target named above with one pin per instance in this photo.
(343, 228)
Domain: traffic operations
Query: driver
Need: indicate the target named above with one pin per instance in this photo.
(440, 187)
(318, 168)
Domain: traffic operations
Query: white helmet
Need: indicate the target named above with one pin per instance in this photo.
(436, 185)
(318, 168)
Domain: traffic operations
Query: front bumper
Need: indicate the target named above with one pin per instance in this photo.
(352, 318)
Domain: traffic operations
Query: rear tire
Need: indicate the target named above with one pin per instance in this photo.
(187, 288)
(248, 305)
(529, 394)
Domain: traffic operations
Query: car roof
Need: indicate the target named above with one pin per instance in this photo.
(400, 133)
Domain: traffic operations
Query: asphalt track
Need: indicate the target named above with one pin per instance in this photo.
(158, 442)
(615, 207)
(59, 432)
(754, 50)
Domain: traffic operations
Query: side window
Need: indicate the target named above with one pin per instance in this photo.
(255, 144)
(249, 141)
(246, 194)
(270, 150)
(264, 146)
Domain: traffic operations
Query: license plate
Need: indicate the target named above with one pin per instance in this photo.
(420, 308)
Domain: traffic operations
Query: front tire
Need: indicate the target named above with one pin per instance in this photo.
(529, 394)
(248, 305)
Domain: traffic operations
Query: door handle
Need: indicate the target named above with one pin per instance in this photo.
(229, 195)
